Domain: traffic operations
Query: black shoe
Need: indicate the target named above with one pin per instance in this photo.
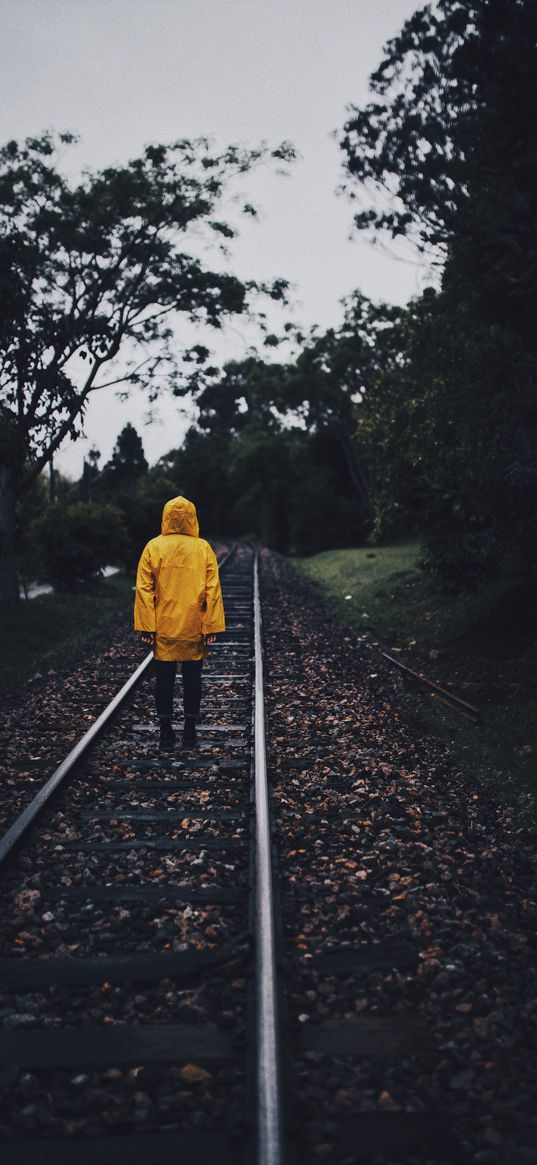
(167, 736)
(190, 738)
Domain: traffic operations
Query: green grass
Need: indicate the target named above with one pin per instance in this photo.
(483, 644)
(42, 632)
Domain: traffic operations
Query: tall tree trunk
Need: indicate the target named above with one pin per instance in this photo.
(52, 481)
(358, 472)
(9, 585)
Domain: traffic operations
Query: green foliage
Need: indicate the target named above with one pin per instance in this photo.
(284, 487)
(94, 268)
(90, 475)
(127, 462)
(119, 484)
(451, 427)
(199, 470)
(451, 137)
(74, 542)
(33, 502)
(335, 375)
(141, 510)
(131, 489)
(380, 587)
(296, 423)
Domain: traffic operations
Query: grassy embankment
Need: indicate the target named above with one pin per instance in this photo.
(51, 629)
(483, 646)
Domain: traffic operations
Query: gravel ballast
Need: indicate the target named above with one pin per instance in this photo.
(381, 839)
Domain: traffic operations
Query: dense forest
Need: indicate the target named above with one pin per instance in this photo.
(419, 420)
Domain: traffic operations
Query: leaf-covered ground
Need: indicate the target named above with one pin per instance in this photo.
(381, 836)
(125, 778)
(481, 644)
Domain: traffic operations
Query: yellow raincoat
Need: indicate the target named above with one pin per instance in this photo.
(177, 586)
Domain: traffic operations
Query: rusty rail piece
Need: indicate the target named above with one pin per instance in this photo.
(21, 825)
(459, 704)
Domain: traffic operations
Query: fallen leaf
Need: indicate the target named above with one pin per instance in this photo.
(193, 1074)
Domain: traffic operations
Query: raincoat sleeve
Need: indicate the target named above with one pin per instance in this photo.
(144, 603)
(212, 616)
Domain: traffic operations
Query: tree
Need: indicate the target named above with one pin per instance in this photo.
(472, 412)
(411, 149)
(320, 391)
(90, 474)
(334, 374)
(255, 467)
(447, 155)
(92, 276)
(142, 510)
(127, 463)
(200, 469)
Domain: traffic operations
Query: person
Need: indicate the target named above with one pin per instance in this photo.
(178, 610)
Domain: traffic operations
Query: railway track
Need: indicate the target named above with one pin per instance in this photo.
(150, 1008)
(139, 1003)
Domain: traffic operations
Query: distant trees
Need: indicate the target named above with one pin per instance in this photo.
(334, 383)
(90, 474)
(281, 486)
(127, 462)
(275, 451)
(103, 519)
(94, 272)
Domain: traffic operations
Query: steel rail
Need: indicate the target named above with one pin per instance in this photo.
(270, 1144)
(454, 701)
(28, 815)
(13, 835)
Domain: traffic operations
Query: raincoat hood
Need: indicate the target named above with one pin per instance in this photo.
(179, 517)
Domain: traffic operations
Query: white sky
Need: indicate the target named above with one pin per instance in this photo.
(122, 73)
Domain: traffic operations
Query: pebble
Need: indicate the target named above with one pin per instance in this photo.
(20, 1020)
(387, 837)
(408, 848)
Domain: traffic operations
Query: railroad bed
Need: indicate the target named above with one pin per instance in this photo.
(138, 968)
(126, 935)
(408, 910)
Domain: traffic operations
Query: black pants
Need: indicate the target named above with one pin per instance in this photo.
(165, 672)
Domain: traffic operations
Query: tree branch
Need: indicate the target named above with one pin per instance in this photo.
(74, 411)
(126, 377)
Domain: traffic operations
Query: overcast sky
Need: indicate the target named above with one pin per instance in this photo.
(122, 73)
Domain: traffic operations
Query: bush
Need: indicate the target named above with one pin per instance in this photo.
(73, 543)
